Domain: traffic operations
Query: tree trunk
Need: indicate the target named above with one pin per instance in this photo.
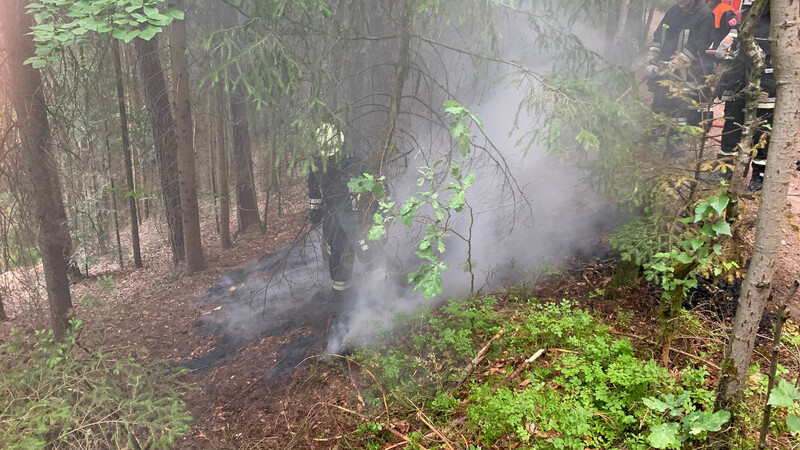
(752, 93)
(113, 196)
(780, 321)
(193, 245)
(211, 126)
(785, 46)
(166, 141)
(243, 161)
(126, 153)
(378, 156)
(28, 100)
(222, 174)
(3, 315)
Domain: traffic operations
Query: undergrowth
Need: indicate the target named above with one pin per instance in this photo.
(587, 389)
(63, 395)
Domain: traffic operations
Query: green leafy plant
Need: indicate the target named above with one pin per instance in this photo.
(61, 394)
(107, 285)
(428, 278)
(62, 22)
(686, 422)
(457, 325)
(587, 395)
(786, 395)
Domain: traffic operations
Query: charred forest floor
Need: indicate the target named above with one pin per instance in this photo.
(322, 404)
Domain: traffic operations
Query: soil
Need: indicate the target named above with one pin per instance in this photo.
(271, 385)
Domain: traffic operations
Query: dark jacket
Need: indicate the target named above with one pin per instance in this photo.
(735, 79)
(330, 183)
(686, 34)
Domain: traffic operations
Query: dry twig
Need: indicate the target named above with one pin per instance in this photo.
(522, 367)
(430, 425)
(672, 349)
(390, 429)
(474, 363)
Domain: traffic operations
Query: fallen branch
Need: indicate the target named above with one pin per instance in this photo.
(519, 369)
(474, 363)
(335, 438)
(346, 410)
(672, 349)
(390, 429)
(432, 428)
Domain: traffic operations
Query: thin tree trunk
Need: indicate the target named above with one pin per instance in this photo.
(34, 129)
(752, 93)
(623, 18)
(222, 174)
(113, 196)
(378, 157)
(190, 211)
(773, 360)
(3, 315)
(648, 22)
(139, 157)
(166, 141)
(126, 153)
(785, 46)
(243, 161)
(212, 152)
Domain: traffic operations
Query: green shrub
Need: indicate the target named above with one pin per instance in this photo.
(60, 394)
(590, 395)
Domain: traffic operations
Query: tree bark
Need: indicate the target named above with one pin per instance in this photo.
(785, 46)
(166, 141)
(112, 194)
(190, 211)
(243, 161)
(378, 156)
(126, 153)
(752, 93)
(34, 129)
(222, 174)
(780, 321)
(3, 315)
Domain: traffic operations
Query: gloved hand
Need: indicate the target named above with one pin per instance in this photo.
(673, 65)
(652, 54)
(724, 49)
(651, 71)
(366, 254)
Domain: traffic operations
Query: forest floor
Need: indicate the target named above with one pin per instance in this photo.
(156, 313)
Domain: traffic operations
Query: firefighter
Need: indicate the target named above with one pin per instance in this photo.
(726, 24)
(732, 91)
(678, 57)
(332, 204)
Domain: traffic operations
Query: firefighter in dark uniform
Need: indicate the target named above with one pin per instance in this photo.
(332, 204)
(678, 55)
(731, 90)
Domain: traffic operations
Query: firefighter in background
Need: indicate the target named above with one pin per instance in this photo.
(726, 24)
(332, 204)
(732, 92)
(678, 66)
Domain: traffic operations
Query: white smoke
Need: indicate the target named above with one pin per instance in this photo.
(552, 215)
